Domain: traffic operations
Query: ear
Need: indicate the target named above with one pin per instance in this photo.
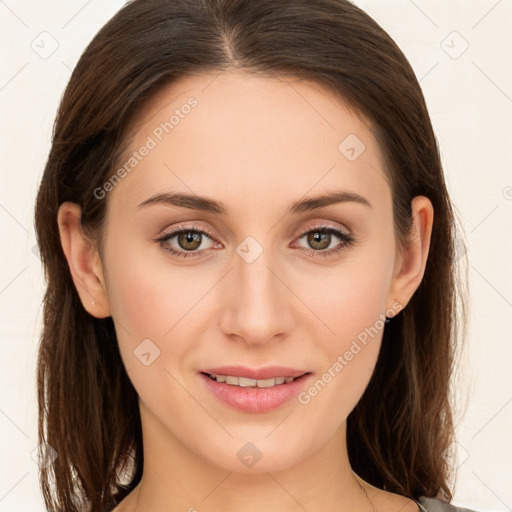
(411, 262)
(83, 260)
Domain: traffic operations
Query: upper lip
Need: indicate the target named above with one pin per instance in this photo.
(268, 372)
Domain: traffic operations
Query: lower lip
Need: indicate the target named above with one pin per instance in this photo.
(252, 399)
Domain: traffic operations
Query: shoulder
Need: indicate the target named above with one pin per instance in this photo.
(437, 505)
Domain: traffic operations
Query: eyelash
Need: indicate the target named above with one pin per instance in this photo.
(347, 241)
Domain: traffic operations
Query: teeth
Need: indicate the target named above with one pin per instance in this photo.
(245, 382)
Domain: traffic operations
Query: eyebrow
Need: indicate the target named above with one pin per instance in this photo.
(206, 204)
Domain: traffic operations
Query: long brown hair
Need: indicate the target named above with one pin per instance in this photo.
(400, 433)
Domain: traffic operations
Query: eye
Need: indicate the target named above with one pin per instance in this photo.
(189, 241)
(321, 237)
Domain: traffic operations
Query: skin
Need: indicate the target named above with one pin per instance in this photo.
(256, 144)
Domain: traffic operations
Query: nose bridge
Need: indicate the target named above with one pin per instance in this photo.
(256, 309)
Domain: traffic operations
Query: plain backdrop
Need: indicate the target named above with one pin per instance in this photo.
(460, 51)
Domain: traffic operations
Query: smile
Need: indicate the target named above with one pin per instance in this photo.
(246, 382)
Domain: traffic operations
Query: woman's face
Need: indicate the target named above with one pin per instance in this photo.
(266, 285)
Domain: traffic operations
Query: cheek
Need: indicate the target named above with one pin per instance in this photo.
(351, 297)
(353, 307)
(136, 298)
(152, 299)
(144, 304)
(147, 293)
(148, 311)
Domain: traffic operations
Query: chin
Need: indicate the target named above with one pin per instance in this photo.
(255, 454)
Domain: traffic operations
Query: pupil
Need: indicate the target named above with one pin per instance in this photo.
(190, 238)
(319, 238)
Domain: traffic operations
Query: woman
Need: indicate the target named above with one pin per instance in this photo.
(251, 281)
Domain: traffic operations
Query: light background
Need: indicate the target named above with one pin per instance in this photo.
(469, 95)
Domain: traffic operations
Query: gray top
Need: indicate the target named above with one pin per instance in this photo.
(436, 505)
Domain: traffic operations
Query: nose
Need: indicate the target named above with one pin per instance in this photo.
(256, 303)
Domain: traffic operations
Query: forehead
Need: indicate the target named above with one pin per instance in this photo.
(236, 135)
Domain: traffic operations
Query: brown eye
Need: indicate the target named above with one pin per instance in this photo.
(319, 240)
(189, 240)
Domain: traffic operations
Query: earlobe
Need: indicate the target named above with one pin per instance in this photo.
(83, 260)
(413, 259)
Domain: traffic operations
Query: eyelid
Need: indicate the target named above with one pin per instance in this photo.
(323, 225)
(302, 232)
(186, 227)
(343, 234)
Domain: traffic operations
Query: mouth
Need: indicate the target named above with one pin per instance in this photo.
(246, 382)
(254, 391)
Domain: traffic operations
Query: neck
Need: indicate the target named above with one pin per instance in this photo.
(177, 478)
